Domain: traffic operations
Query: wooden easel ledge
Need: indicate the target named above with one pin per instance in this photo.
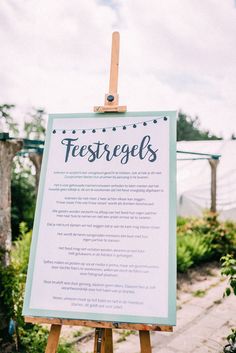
(111, 103)
(98, 324)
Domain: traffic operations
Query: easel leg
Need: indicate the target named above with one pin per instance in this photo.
(108, 344)
(103, 340)
(145, 342)
(53, 339)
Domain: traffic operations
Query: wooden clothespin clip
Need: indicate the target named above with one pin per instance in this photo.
(112, 98)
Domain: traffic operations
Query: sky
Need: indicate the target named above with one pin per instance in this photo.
(173, 55)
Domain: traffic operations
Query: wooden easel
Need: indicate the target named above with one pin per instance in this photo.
(103, 330)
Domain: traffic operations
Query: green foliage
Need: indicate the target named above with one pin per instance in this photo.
(228, 269)
(31, 338)
(199, 293)
(23, 182)
(231, 346)
(35, 127)
(77, 333)
(181, 221)
(184, 259)
(192, 249)
(21, 248)
(22, 195)
(34, 340)
(7, 119)
(124, 334)
(199, 247)
(203, 239)
(188, 129)
(223, 235)
(14, 276)
(9, 291)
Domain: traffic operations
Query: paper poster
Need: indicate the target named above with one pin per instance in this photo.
(103, 243)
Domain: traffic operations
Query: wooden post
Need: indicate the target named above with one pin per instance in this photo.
(53, 339)
(108, 344)
(36, 159)
(103, 340)
(213, 164)
(145, 341)
(8, 150)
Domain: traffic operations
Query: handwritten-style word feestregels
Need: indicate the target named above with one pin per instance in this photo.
(98, 150)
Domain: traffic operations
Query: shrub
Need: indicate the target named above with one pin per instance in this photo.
(231, 346)
(22, 195)
(13, 277)
(203, 239)
(229, 269)
(184, 259)
(30, 338)
(192, 249)
(34, 340)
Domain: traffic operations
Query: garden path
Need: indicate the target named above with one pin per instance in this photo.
(204, 318)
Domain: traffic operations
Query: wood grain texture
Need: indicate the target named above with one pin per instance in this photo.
(114, 69)
(213, 163)
(103, 340)
(53, 339)
(99, 324)
(145, 342)
(107, 344)
(110, 109)
(113, 106)
(96, 340)
(8, 150)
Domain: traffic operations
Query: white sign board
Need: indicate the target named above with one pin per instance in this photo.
(103, 243)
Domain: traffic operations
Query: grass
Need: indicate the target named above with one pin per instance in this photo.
(199, 293)
(124, 334)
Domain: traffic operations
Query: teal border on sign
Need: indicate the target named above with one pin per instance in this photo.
(171, 319)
